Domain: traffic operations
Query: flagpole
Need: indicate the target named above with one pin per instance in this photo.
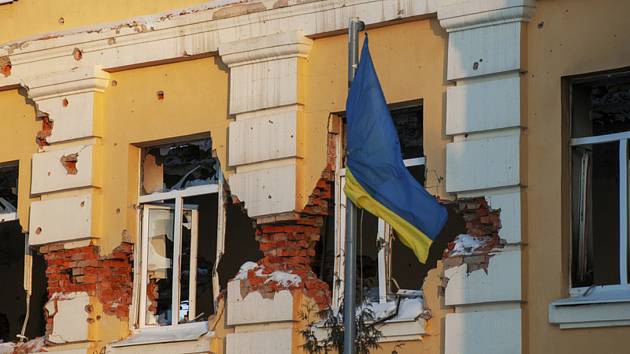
(354, 27)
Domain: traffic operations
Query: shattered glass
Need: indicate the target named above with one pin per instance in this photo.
(8, 188)
(178, 166)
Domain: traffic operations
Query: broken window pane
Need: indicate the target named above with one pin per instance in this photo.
(600, 107)
(178, 166)
(8, 190)
(595, 217)
(408, 123)
(160, 228)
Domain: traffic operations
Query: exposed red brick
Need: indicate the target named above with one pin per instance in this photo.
(69, 162)
(83, 269)
(483, 223)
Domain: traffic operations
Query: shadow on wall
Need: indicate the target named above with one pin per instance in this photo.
(13, 296)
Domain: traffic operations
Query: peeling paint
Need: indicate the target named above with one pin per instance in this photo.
(238, 10)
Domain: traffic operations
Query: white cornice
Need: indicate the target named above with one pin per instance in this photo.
(478, 13)
(176, 36)
(84, 79)
(287, 44)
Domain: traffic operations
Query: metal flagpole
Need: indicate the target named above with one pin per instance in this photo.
(349, 292)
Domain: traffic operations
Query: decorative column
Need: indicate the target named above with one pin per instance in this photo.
(485, 62)
(265, 147)
(66, 180)
(266, 98)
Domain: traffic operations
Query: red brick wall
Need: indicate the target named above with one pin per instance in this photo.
(289, 242)
(483, 223)
(109, 278)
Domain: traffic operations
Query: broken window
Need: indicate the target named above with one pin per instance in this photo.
(8, 192)
(182, 233)
(178, 166)
(600, 129)
(379, 277)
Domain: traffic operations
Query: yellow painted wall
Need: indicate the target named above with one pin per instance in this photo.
(17, 143)
(24, 18)
(410, 61)
(577, 36)
(195, 101)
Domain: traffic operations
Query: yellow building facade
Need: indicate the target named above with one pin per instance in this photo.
(171, 175)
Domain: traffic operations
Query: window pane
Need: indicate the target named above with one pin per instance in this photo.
(160, 266)
(206, 230)
(600, 107)
(595, 216)
(408, 122)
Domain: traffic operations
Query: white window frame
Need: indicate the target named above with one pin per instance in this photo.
(601, 305)
(622, 140)
(384, 233)
(149, 201)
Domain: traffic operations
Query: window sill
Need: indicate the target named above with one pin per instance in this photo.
(166, 334)
(603, 306)
(6, 217)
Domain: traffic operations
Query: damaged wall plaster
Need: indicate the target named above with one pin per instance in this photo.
(482, 226)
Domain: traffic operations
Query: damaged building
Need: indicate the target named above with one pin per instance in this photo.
(172, 176)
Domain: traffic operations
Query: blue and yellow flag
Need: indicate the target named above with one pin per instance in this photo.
(376, 177)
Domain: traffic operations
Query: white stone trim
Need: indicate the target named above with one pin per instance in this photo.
(272, 47)
(179, 34)
(464, 15)
(598, 306)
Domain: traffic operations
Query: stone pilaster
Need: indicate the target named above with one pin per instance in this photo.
(266, 98)
(485, 62)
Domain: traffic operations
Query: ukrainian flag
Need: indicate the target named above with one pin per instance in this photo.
(376, 177)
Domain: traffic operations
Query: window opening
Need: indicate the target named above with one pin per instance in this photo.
(378, 245)
(182, 222)
(600, 129)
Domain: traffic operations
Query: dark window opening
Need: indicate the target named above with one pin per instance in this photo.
(324, 261)
(178, 166)
(240, 243)
(13, 297)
